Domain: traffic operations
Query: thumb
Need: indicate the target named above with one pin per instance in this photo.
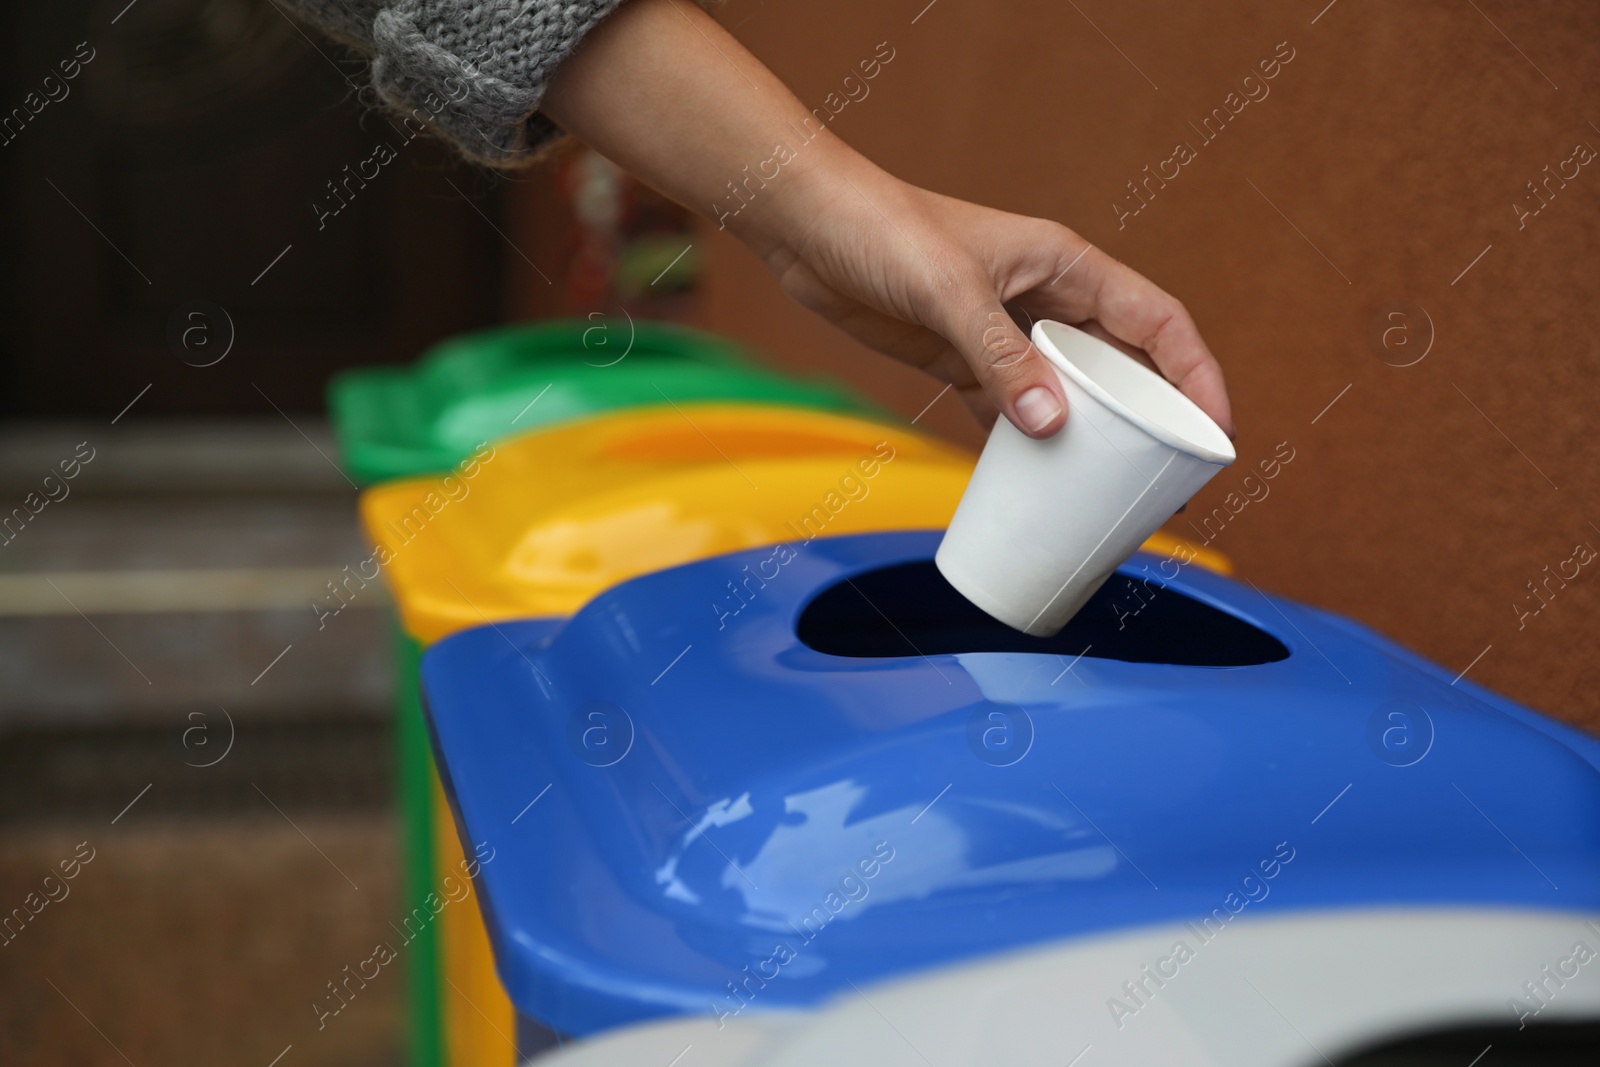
(1014, 375)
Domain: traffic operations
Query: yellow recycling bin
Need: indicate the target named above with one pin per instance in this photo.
(539, 525)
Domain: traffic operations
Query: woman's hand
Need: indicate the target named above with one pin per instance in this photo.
(938, 283)
(942, 284)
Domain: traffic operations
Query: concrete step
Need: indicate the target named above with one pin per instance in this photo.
(176, 572)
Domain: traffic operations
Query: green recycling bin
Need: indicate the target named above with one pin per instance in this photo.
(404, 421)
(399, 422)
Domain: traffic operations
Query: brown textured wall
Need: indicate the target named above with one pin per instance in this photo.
(1386, 157)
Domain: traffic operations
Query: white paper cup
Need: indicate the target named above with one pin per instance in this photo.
(1043, 524)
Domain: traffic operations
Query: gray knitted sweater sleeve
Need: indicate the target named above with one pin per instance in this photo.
(474, 70)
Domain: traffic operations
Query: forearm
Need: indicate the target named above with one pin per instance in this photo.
(663, 91)
(669, 95)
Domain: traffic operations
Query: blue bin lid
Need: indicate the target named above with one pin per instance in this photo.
(743, 783)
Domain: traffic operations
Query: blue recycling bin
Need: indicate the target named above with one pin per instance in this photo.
(748, 782)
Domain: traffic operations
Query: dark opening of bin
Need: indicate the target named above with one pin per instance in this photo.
(910, 609)
(1562, 1044)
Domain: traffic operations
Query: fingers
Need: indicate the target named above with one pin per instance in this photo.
(1016, 378)
(941, 298)
(968, 312)
(933, 293)
(983, 353)
(919, 347)
(1134, 310)
(914, 345)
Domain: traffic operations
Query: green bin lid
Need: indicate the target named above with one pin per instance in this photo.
(396, 422)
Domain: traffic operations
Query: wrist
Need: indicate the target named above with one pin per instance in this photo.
(775, 207)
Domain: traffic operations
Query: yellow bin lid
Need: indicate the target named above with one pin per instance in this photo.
(538, 525)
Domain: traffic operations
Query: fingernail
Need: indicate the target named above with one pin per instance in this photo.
(1037, 408)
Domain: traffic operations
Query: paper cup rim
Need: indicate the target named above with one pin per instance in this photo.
(1223, 455)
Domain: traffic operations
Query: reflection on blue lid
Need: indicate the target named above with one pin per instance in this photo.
(778, 771)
